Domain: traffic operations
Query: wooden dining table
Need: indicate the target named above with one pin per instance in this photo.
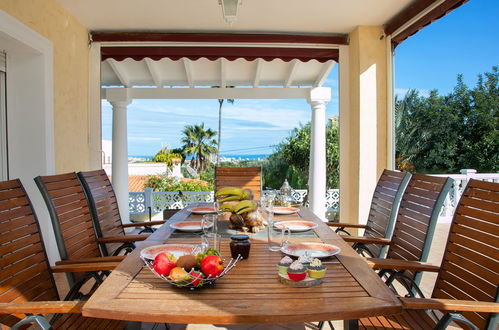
(251, 292)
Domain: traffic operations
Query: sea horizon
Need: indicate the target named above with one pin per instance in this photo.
(232, 156)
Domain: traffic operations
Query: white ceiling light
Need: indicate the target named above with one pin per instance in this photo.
(229, 9)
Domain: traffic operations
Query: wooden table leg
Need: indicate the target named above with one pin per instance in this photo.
(350, 324)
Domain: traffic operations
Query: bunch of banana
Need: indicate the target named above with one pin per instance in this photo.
(232, 194)
(245, 206)
(226, 207)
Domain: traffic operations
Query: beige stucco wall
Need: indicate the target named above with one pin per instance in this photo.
(70, 42)
(364, 123)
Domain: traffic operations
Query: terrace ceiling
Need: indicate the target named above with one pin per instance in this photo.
(142, 63)
(254, 16)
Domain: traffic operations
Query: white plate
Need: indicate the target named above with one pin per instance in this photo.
(203, 210)
(189, 226)
(296, 226)
(177, 250)
(315, 250)
(285, 210)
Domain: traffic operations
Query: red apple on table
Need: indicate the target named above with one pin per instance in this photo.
(164, 263)
(196, 278)
(212, 266)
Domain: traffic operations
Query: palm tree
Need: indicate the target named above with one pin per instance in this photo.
(200, 143)
(220, 103)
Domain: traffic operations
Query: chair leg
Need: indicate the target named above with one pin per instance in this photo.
(448, 318)
(128, 247)
(342, 230)
(351, 324)
(38, 319)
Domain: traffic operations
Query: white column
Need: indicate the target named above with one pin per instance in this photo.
(120, 157)
(317, 171)
(94, 107)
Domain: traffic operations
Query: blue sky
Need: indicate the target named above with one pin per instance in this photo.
(465, 41)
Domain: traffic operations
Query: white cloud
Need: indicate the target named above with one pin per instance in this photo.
(400, 92)
(279, 118)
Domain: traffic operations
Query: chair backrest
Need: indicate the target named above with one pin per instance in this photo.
(417, 217)
(70, 214)
(384, 207)
(470, 266)
(103, 206)
(240, 177)
(24, 269)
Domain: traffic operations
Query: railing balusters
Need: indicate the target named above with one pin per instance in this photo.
(158, 201)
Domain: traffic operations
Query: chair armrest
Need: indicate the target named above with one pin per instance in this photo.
(142, 224)
(401, 265)
(367, 240)
(345, 225)
(90, 260)
(450, 305)
(85, 267)
(122, 239)
(42, 307)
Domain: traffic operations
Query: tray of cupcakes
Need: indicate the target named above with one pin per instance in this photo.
(302, 273)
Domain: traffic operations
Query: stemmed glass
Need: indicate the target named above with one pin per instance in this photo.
(267, 212)
(209, 224)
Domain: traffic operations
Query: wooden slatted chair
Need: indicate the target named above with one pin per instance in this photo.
(105, 213)
(72, 222)
(382, 214)
(467, 285)
(27, 286)
(415, 224)
(240, 177)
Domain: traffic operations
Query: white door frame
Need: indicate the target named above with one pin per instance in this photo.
(30, 122)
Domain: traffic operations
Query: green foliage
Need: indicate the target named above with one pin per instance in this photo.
(166, 155)
(443, 134)
(208, 175)
(292, 158)
(200, 143)
(164, 183)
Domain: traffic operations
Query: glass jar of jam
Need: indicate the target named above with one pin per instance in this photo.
(240, 245)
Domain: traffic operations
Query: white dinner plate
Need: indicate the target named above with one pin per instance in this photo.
(177, 250)
(285, 210)
(296, 226)
(189, 226)
(315, 250)
(203, 210)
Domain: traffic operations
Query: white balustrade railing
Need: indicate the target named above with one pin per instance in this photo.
(460, 181)
(140, 202)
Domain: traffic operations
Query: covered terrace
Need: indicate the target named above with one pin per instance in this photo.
(75, 48)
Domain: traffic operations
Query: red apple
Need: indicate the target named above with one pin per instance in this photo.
(197, 278)
(164, 263)
(212, 266)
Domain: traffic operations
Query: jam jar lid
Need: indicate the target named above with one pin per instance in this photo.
(239, 237)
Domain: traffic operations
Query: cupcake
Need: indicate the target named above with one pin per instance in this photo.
(283, 265)
(296, 271)
(305, 259)
(316, 269)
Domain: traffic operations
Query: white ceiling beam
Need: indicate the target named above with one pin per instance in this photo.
(292, 70)
(206, 93)
(188, 71)
(326, 69)
(153, 71)
(119, 72)
(258, 72)
(223, 72)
